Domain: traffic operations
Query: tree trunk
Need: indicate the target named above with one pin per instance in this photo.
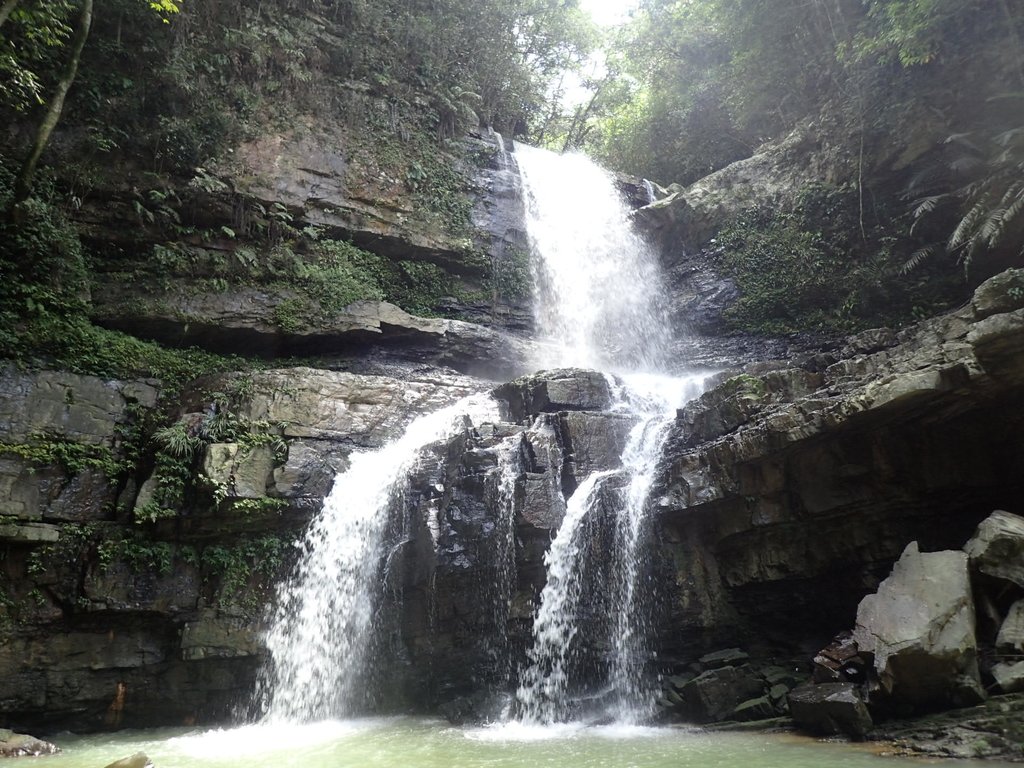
(23, 186)
(5, 10)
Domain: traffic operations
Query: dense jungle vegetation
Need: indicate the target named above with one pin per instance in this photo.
(158, 95)
(918, 106)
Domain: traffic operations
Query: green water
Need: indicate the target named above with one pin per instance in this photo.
(419, 743)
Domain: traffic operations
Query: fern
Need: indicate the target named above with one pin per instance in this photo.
(918, 257)
(990, 197)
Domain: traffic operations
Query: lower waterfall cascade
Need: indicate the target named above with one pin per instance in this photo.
(599, 304)
(322, 625)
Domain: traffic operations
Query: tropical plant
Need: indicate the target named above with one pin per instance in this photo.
(986, 171)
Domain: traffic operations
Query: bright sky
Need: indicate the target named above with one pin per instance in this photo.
(609, 12)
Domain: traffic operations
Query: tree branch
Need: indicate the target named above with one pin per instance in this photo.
(23, 186)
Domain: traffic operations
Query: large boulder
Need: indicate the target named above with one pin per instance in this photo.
(718, 693)
(1009, 676)
(997, 547)
(829, 709)
(22, 745)
(563, 389)
(1011, 633)
(999, 294)
(920, 628)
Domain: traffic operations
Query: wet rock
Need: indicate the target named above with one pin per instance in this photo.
(1002, 293)
(688, 218)
(213, 636)
(85, 409)
(121, 586)
(309, 469)
(724, 658)
(1011, 633)
(22, 745)
(840, 661)
(543, 498)
(998, 344)
(1009, 676)
(543, 504)
(347, 408)
(29, 533)
(760, 708)
(248, 319)
(997, 547)
(138, 760)
(787, 677)
(594, 441)
(830, 709)
(780, 508)
(919, 626)
(240, 472)
(565, 389)
(992, 730)
(715, 694)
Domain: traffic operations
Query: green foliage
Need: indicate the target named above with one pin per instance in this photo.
(178, 448)
(235, 567)
(510, 275)
(985, 169)
(73, 457)
(30, 45)
(912, 31)
(695, 84)
(43, 278)
(807, 269)
(138, 552)
(784, 273)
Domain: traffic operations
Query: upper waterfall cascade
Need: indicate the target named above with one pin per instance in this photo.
(599, 300)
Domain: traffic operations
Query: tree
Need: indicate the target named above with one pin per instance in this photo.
(6, 8)
(51, 29)
(23, 184)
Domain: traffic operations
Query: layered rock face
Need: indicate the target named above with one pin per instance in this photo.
(787, 495)
(236, 244)
(111, 618)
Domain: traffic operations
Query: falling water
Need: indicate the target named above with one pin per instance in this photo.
(656, 399)
(543, 685)
(599, 300)
(649, 191)
(321, 629)
(599, 303)
(510, 468)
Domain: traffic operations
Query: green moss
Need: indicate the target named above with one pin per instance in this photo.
(234, 568)
(813, 269)
(73, 457)
(139, 553)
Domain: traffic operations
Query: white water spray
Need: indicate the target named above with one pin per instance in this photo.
(543, 685)
(321, 629)
(599, 301)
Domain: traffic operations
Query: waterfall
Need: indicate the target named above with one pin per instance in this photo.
(543, 685)
(649, 191)
(321, 629)
(656, 399)
(599, 303)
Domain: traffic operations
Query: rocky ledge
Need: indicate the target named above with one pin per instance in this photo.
(788, 494)
(251, 321)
